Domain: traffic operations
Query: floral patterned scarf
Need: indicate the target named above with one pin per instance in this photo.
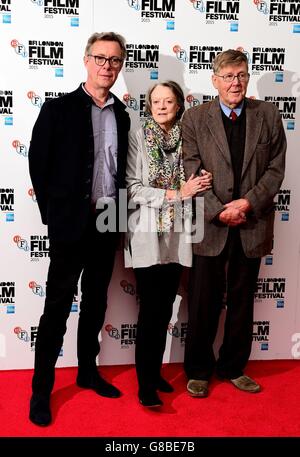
(162, 173)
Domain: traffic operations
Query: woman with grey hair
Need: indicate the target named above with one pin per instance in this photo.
(157, 246)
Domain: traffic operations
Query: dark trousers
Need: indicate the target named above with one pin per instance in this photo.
(236, 275)
(157, 288)
(93, 256)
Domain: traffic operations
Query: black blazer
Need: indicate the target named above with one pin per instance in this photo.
(61, 160)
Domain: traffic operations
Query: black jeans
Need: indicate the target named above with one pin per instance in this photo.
(232, 273)
(93, 256)
(157, 288)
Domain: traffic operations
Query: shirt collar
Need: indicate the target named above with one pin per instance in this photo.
(110, 99)
(226, 110)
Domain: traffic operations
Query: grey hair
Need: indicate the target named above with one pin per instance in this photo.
(106, 36)
(229, 57)
(177, 91)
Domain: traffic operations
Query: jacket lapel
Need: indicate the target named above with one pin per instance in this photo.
(254, 120)
(122, 129)
(216, 127)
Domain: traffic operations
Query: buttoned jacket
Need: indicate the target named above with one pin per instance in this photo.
(205, 146)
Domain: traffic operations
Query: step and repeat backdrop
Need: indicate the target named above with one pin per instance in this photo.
(41, 49)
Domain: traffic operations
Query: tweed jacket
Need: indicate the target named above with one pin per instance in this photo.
(143, 246)
(205, 146)
(61, 160)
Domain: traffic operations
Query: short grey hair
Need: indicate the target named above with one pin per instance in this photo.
(107, 36)
(177, 91)
(229, 57)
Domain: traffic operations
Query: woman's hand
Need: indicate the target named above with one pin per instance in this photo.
(191, 187)
(196, 184)
(206, 179)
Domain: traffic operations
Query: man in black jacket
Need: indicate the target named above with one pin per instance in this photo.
(77, 157)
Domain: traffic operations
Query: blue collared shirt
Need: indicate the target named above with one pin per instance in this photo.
(226, 110)
(105, 150)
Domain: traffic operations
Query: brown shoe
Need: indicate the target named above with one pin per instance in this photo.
(197, 388)
(246, 384)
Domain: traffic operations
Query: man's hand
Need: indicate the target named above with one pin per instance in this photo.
(232, 216)
(242, 204)
(235, 212)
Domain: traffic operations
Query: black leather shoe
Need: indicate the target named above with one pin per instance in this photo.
(150, 399)
(99, 385)
(164, 386)
(40, 413)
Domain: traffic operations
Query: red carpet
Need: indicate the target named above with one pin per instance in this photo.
(227, 412)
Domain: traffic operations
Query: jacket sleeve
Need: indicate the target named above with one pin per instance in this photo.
(193, 164)
(39, 157)
(138, 192)
(262, 194)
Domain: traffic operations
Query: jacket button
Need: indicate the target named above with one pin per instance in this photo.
(87, 181)
(87, 196)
